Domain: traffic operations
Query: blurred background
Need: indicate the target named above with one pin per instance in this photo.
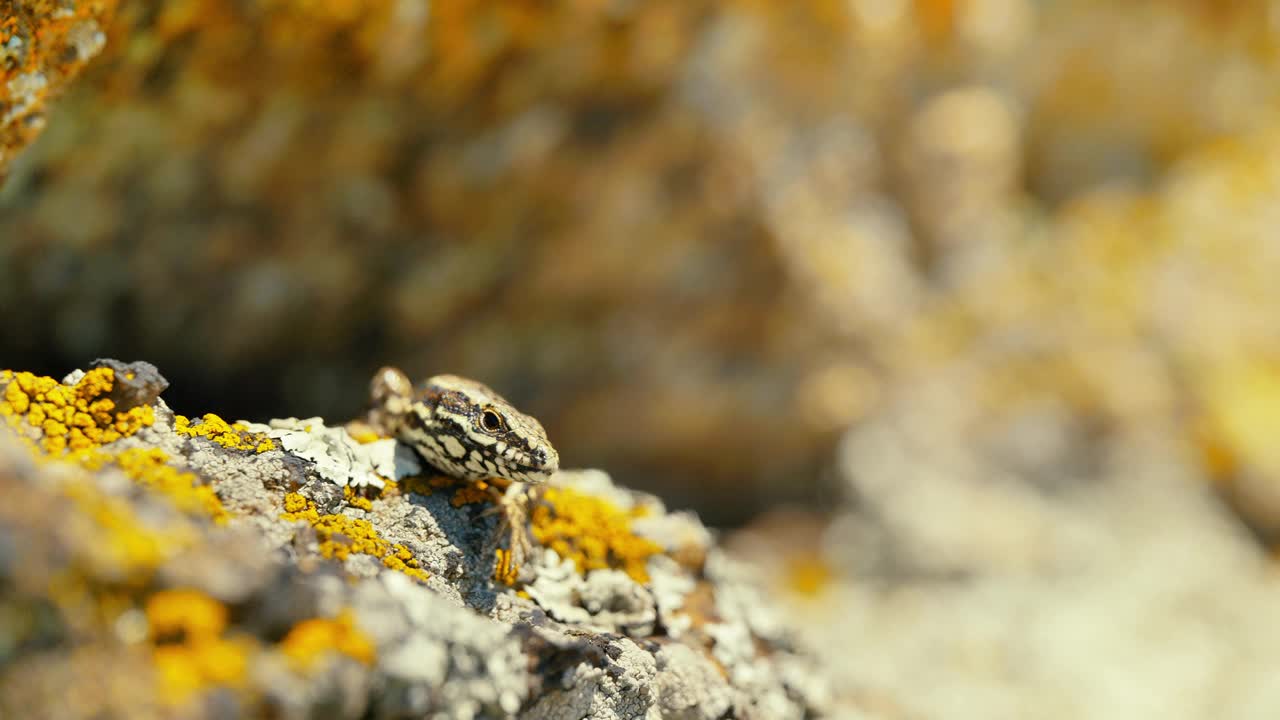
(991, 284)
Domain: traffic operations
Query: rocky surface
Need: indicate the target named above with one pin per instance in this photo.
(153, 565)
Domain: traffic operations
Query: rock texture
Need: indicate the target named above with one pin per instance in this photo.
(153, 565)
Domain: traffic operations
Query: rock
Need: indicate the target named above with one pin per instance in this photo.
(219, 569)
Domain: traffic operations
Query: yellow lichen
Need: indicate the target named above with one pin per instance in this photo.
(504, 569)
(187, 669)
(125, 541)
(365, 435)
(402, 559)
(1240, 411)
(297, 507)
(76, 417)
(151, 469)
(311, 640)
(185, 615)
(340, 536)
(594, 533)
(191, 654)
(234, 436)
(354, 499)
(808, 575)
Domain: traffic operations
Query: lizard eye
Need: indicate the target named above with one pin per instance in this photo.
(490, 420)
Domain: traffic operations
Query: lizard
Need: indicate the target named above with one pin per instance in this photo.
(468, 431)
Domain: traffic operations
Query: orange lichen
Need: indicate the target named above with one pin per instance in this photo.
(471, 493)
(313, 639)
(465, 492)
(191, 654)
(426, 484)
(592, 532)
(78, 417)
(340, 536)
(234, 436)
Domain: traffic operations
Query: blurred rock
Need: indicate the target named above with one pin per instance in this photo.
(697, 239)
(43, 45)
(954, 587)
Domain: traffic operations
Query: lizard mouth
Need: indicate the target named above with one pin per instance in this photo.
(537, 466)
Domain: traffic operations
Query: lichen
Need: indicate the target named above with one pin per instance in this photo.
(340, 536)
(151, 469)
(174, 615)
(425, 484)
(592, 532)
(75, 417)
(505, 570)
(471, 493)
(125, 541)
(234, 436)
(401, 558)
(355, 499)
(808, 575)
(311, 640)
(190, 651)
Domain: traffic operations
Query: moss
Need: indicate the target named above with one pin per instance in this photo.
(594, 533)
(75, 417)
(313, 639)
(234, 436)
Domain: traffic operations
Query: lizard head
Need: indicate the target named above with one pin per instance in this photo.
(467, 429)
